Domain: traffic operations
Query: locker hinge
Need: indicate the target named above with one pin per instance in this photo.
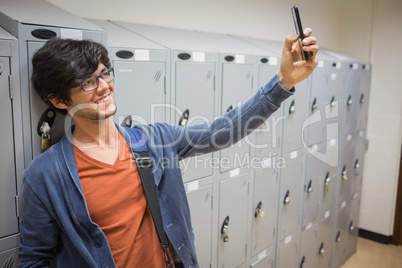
(214, 83)
(10, 84)
(164, 84)
(17, 206)
(252, 82)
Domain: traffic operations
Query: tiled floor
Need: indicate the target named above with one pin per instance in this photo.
(370, 254)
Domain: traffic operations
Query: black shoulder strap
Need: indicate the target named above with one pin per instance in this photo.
(144, 166)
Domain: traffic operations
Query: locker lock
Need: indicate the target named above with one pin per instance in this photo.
(344, 173)
(292, 107)
(351, 227)
(362, 99)
(310, 187)
(321, 250)
(229, 108)
(303, 262)
(127, 121)
(357, 166)
(287, 198)
(44, 125)
(184, 118)
(333, 102)
(327, 180)
(225, 229)
(350, 101)
(338, 236)
(314, 106)
(259, 213)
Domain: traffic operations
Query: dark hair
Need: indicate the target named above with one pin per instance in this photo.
(62, 63)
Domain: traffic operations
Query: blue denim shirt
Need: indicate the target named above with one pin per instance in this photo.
(55, 216)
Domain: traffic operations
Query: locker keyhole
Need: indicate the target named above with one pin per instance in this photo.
(314, 106)
(351, 227)
(338, 236)
(357, 166)
(344, 174)
(286, 201)
(350, 101)
(310, 187)
(327, 180)
(321, 250)
(292, 107)
(362, 99)
(225, 229)
(333, 102)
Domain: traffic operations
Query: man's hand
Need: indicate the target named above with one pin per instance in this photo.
(293, 68)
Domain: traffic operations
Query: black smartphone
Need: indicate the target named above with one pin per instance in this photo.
(299, 31)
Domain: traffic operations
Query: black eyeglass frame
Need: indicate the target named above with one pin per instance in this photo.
(97, 80)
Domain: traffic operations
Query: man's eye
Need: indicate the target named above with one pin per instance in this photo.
(88, 82)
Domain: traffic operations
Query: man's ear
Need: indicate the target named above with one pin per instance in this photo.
(58, 103)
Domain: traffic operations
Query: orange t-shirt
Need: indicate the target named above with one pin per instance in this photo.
(116, 202)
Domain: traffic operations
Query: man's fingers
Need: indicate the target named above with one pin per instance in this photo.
(290, 39)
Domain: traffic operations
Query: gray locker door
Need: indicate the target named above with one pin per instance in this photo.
(289, 252)
(140, 91)
(358, 165)
(309, 247)
(201, 217)
(38, 107)
(195, 93)
(314, 170)
(8, 184)
(295, 114)
(328, 183)
(9, 258)
(264, 201)
(333, 98)
(315, 130)
(350, 98)
(233, 196)
(290, 199)
(263, 262)
(364, 97)
(341, 235)
(236, 89)
(353, 227)
(346, 170)
(325, 242)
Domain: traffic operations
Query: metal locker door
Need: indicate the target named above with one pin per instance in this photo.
(236, 89)
(199, 199)
(332, 102)
(289, 252)
(353, 227)
(295, 115)
(346, 171)
(140, 91)
(341, 236)
(265, 261)
(325, 242)
(314, 132)
(364, 97)
(314, 170)
(39, 108)
(358, 165)
(290, 199)
(232, 228)
(309, 247)
(328, 181)
(350, 98)
(195, 95)
(264, 209)
(8, 183)
(9, 258)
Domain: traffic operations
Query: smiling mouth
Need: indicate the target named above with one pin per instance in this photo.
(105, 99)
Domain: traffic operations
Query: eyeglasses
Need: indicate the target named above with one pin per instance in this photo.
(92, 83)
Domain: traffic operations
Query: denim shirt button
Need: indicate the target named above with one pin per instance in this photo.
(98, 243)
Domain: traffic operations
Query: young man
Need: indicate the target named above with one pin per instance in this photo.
(83, 199)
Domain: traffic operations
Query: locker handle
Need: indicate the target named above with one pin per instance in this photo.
(350, 101)
(292, 107)
(344, 173)
(48, 116)
(314, 106)
(327, 180)
(225, 229)
(184, 118)
(303, 262)
(362, 99)
(286, 201)
(258, 212)
(310, 187)
(229, 108)
(127, 121)
(338, 236)
(333, 102)
(351, 227)
(357, 166)
(321, 250)
(43, 34)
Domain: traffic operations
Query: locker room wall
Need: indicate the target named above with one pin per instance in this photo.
(356, 28)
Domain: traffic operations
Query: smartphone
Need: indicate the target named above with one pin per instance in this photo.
(299, 30)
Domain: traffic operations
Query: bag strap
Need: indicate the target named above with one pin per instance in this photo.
(144, 166)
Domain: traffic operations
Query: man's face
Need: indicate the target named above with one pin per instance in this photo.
(95, 105)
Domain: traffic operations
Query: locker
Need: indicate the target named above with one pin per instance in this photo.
(325, 241)
(353, 227)
(289, 251)
(290, 198)
(341, 235)
(264, 260)
(9, 258)
(199, 194)
(264, 216)
(192, 83)
(309, 249)
(346, 170)
(358, 165)
(232, 223)
(33, 31)
(364, 97)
